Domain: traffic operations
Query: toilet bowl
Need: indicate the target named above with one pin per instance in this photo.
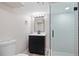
(7, 47)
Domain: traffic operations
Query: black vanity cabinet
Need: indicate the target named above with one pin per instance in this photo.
(37, 44)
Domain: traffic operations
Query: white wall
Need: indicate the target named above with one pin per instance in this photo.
(13, 26)
(29, 14)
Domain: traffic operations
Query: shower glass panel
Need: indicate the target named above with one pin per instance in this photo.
(63, 29)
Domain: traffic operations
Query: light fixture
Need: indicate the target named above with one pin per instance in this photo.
(38, 13)
(67, 8)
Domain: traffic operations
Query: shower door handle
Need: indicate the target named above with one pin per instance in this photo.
(52, 33)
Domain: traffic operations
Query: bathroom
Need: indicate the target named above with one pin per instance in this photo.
(57, 22)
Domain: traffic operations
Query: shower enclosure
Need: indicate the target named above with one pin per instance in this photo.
(63, 28)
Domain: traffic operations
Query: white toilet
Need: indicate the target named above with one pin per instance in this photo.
(7, 47)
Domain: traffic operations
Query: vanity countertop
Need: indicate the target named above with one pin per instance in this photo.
(41, 34)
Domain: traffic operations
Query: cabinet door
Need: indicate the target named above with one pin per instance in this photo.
(37, 44)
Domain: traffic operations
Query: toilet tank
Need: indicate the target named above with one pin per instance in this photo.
(7, 47)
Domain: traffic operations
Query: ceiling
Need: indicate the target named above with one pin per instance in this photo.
(12, 4)
(56, 7)
(31, 7)
(23, 8)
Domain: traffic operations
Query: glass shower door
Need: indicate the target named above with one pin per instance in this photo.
(64, 34)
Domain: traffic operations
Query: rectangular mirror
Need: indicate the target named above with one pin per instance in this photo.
(39, 24)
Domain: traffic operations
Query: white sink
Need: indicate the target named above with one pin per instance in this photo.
(41, 34)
